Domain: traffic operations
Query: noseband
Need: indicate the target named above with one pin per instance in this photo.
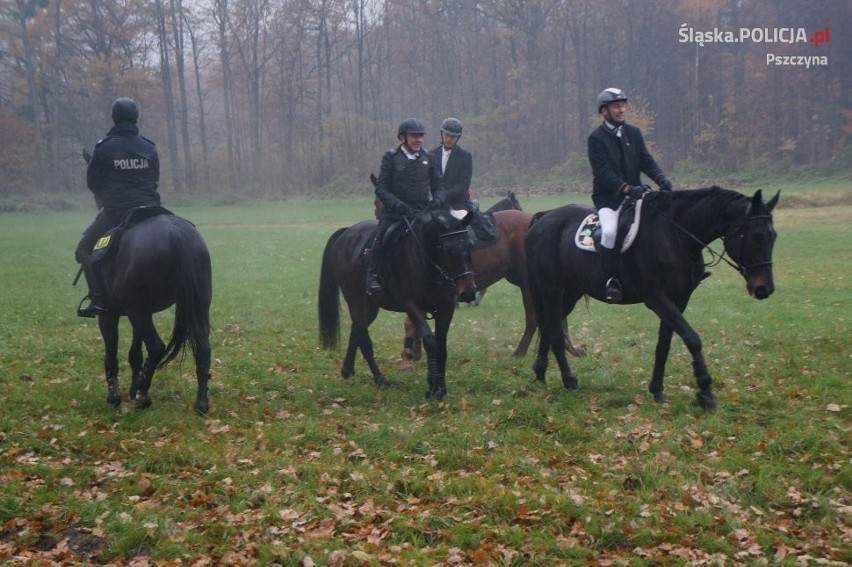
(447, 236)
(730, 234)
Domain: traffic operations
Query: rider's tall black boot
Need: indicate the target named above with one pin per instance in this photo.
(610, 257)
(96, 294)
(374, 280)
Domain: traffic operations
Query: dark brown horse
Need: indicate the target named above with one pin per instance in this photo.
(661, 269)
(431, 269)
(159, 262)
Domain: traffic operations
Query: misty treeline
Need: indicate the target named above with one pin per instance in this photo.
(291, 96)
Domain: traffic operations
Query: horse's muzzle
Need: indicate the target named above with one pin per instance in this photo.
(465, 287)
(760, 288)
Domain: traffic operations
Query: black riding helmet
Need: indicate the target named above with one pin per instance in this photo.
(410, 126)
(125, 110)
(452, 126)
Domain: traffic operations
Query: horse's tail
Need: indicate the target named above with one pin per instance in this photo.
(193, 294)
(329, 298)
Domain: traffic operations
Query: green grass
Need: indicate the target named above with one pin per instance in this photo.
(293, 462)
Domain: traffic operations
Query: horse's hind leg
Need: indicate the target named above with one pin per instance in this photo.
(202, 373)
(143, 327)
(108, 324)
(135, 359)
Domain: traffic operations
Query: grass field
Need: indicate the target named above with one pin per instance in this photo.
(295, 466)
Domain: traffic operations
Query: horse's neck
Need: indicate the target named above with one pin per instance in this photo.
(711, 215)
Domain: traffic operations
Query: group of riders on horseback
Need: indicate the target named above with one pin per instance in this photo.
(123, 173)
(427, 192)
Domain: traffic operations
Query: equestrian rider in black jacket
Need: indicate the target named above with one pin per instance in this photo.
(123, 173)
(618, 156)
(409, 179)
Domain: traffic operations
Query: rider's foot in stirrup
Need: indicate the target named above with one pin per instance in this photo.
(374, 285)
(613, 291)
(91, 310)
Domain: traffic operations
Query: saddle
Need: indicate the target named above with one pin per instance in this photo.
(107, 243)
(483, 229)
(588, 236)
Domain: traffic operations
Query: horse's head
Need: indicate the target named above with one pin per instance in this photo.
(453, 247)
(749, 243)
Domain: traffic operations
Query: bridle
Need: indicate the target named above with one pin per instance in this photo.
(742, 269)
(441, 238)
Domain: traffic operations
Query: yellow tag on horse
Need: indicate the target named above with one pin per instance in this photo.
(102, 243)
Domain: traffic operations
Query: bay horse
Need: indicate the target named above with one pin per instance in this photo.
(661, 269)
(159, 262)
(430, 268)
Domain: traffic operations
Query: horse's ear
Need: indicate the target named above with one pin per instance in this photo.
(467, 218)
(773, 201)
(373, 179)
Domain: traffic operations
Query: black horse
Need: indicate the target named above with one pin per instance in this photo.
(661, 269)
(159, 262)
(430, 267)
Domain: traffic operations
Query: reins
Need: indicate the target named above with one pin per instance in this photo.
(435, 266)
(743, 270)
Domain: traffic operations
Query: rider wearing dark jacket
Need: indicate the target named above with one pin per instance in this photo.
(408, 181)
(618, 156)
(123, 173)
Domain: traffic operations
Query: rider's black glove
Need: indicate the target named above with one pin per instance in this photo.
(665, 184)
(635, 191)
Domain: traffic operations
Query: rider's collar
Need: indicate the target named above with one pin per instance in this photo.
(612, 128)
(408, 154)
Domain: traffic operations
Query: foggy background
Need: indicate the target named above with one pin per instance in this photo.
(282, 97)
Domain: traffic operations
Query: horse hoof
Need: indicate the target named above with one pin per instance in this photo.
(202, 409)
(143, 403)
(660, 398)
(436, 394)
(405, 365)
(707, 401)
(382, 382)
(347, 373)
(570, 383)
(114, 400)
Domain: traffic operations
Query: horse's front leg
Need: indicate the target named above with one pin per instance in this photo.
(672, 320)
(108, 324)
(442, 328)
(437, 389)
(661, 355)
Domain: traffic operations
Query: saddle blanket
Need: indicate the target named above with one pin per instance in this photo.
(585, 236)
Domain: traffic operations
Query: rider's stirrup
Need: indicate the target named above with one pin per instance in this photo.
(374, 285)
(90, 311)
(613, 291)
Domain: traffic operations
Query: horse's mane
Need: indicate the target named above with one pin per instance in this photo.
(714, 199)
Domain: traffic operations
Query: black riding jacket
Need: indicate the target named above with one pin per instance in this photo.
(407, 183)
(125, 170)
(617, 163)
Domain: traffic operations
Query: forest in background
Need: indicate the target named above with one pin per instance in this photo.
(288, 97)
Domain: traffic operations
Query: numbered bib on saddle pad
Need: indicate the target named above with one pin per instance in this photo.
(588, 233)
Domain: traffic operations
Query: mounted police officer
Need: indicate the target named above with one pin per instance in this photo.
(618, 156)
(123, 173)
(409, 179)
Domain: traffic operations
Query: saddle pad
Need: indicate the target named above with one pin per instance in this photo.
(584, 238)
